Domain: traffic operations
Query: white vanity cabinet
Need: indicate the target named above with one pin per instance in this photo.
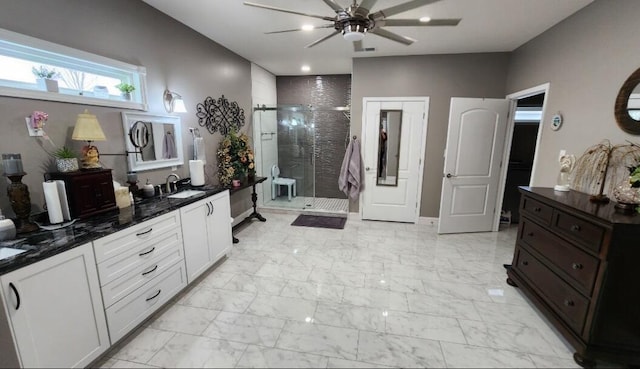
(206, 232)
(54, 312)
(140, 268)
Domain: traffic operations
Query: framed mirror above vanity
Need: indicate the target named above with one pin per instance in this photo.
(627, 108)
(152, 141)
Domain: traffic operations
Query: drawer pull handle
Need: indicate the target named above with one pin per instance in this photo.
(154, 296)
(15, 290)
(208, 209)
(575, 228)
(143, 233)
(212, 208)
(148, 252)
(151, 271)
(568, 303)
(577, 266)
(537, 209)
(525, 263)
(530, 234)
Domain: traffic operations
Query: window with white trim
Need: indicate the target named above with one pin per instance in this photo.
(81, 77)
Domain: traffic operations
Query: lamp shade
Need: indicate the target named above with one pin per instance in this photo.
(87, 128)
(178, 106)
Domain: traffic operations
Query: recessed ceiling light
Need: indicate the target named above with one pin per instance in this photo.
(305, 68)
(307, 27)
(425, 19)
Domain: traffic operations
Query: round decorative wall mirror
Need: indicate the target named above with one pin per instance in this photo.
(627, 109)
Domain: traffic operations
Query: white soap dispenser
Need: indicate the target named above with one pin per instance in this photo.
(7, 228)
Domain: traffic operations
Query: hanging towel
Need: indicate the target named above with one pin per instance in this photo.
(169, 147)
(350, 181)
(198, 149)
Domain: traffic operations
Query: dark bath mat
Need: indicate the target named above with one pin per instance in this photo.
(319, 221)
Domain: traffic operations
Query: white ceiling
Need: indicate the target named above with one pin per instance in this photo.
(486, 26)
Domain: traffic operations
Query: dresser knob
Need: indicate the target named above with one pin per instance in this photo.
(537, 209)
(576, 266)
(568, 303)
(575, 228)
(525, 263)
(530, 234)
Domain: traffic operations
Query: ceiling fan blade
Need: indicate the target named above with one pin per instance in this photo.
(333, 5)
(330, 19)
(400, 8)
(325, 38)
(357, 46)
(392, 36)
(418, 23)
(298, 29)
(365, 7)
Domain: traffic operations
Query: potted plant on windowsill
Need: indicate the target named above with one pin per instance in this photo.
(46, 78)
(126, 90)
(66, 160)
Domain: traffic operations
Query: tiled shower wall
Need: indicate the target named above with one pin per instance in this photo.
(331, 132)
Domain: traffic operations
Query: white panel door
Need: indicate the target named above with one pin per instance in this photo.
(399, 203)
(475, 144)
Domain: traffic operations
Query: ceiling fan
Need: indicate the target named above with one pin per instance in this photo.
(356, 20)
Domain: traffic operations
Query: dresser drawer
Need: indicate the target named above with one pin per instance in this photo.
(579, 266)
(124, 241)
(537, 210)
(139, 256)
(560, 296)
(129, 282)
(127, 313)
(576, 229)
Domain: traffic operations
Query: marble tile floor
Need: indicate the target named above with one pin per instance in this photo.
(375, 294)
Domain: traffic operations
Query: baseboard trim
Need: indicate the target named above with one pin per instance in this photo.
(240, 217)
(429, 221)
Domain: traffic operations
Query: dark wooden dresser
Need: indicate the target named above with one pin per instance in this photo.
(89, 192)
(579, 263)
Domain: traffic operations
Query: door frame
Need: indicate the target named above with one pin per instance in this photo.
(514, 97)
(425, 122)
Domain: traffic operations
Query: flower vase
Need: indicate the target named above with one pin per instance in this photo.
(235, 183)
(48, 84)
(67, 164)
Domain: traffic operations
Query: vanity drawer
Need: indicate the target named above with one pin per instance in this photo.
(537, 210)
(560, 296)
(129, 282)
(578, 265)
(139, 256)
(127, 313)
(576, 229)
(124, 241)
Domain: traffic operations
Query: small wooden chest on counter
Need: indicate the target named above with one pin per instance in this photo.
(578, 263)
(89, 192)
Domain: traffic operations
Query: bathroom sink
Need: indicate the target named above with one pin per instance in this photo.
(7, 252)
(186, 194)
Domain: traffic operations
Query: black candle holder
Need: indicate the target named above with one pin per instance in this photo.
(20, 203)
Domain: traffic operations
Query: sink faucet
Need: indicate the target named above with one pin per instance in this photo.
(168, 184)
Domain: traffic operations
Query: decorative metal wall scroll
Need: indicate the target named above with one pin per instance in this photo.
(219, 115)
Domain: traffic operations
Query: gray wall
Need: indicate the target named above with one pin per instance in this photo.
(586, 59)
(439, 77)
(330, 132)
(175, 56)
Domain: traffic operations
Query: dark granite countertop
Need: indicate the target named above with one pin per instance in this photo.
(43, 244)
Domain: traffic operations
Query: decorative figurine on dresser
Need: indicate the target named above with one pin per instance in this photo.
(576, 261)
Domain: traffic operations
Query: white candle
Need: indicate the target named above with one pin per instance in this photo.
(12, 164)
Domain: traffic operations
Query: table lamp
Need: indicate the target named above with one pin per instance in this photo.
(88, 129)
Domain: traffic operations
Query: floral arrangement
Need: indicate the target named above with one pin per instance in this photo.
(235, 158)
(125, 87)
(38, 119)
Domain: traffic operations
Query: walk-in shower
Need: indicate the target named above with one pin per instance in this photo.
(306, 145)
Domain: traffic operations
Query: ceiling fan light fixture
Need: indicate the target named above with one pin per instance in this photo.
(354, 32)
